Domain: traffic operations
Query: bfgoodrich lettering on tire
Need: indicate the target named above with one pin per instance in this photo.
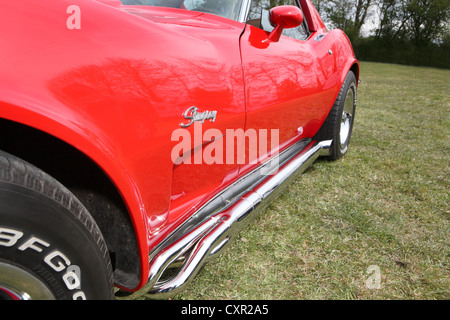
(50, 246)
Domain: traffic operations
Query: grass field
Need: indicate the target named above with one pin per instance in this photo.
(384, 206)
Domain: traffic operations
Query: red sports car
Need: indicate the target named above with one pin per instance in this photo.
(137, 137)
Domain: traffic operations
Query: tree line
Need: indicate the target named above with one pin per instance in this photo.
(399, 31)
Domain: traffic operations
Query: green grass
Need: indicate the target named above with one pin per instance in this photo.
(384, 204)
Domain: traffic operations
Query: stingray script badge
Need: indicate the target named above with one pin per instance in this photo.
(193, 115)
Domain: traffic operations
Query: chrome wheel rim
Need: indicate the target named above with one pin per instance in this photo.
(347, 119)
(19, 284)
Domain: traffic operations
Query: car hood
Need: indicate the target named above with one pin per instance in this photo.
(162, 14)
(173, 16)
(156, 14)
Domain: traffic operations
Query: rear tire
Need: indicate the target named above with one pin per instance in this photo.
(338, 125)
(50, 246)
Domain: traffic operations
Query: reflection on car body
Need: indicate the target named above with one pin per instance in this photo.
(88, 116)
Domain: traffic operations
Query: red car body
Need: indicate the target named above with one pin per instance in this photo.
(115, 90)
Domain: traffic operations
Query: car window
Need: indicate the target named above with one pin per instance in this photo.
(225, 8)
(158, 3)
(259, 17)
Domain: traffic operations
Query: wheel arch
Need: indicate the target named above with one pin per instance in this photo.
(355, 69)
(79, 173)
(347, 54)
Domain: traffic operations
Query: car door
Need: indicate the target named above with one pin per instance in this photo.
(209, 107)
(285, 86)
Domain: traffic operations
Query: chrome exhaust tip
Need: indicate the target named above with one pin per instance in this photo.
(209, 231)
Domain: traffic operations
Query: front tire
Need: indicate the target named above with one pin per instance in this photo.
(50, 246)
(338, 125)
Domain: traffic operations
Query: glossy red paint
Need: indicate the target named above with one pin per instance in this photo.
(284, 17)
(117, 88)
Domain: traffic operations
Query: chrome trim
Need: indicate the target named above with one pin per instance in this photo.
(192, 114)
(210, 230)
(245, 7)
(21, 284)
(347, 118)
(319, 37)
(230, 195)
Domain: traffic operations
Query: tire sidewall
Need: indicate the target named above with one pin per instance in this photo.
(349, 84)
(48, 240)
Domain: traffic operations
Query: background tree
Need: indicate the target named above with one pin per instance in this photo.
(427, 20)
(421, 21)
(348, 15)
(406, 31)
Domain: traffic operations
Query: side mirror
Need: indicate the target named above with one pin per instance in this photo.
(284, 17)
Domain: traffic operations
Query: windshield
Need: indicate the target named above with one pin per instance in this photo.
(225, 8)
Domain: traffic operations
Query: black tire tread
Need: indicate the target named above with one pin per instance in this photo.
(19, 172)
(329, 129)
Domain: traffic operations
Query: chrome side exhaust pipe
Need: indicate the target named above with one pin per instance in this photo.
(213, 234)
